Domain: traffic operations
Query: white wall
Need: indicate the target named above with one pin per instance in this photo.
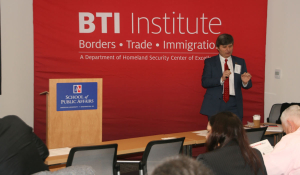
(282, 50)
(17, 59)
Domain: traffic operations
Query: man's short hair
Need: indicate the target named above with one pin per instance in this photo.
(224, 39)
(181, 165)
(292, 113)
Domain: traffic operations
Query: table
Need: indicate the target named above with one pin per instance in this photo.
(138, 144)
(132, 145)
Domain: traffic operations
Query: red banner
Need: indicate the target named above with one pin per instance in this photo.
(150, 55)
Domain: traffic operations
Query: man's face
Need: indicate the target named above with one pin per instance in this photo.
(225, 50)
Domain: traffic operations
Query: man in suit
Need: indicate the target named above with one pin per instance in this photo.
(224, 76)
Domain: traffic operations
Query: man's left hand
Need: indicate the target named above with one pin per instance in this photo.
(246, 77)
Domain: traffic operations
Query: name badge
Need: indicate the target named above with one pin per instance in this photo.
(237, 69)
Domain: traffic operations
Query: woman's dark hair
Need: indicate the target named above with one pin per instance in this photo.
(224, 39)
(226, 127)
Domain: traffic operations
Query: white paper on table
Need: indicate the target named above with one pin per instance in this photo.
(59, 151)
(277, 128)
(263, 146)
(201, 133)
(167, 138)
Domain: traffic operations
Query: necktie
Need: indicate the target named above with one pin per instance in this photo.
(226, 84)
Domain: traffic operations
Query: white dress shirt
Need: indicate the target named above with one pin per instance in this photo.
(285, 158)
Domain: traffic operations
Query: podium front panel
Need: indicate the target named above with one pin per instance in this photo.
(74, 112)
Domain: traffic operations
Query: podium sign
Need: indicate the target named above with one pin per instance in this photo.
(76, 96)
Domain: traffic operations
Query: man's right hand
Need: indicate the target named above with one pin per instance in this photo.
(225, 75)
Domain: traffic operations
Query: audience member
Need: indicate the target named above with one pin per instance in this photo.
(285, 158)
(228, 148)
(181, 165)
(21, 151)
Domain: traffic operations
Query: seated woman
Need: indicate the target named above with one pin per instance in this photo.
(228, 150)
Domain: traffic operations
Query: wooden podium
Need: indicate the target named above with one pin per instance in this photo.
(73, 127)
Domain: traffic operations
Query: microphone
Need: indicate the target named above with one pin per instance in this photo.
(227, 77)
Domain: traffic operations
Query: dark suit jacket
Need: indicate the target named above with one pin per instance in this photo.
(228, 160)
(21, 151)
(211, 76)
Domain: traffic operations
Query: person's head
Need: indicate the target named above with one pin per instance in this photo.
(224, 127)
(224, 45)
(181, 165)
(290, 119)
